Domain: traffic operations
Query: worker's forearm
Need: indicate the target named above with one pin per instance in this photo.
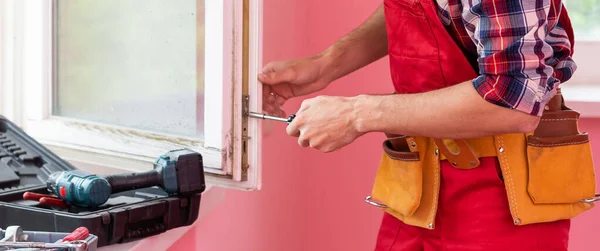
(454, 112)
(362, 46)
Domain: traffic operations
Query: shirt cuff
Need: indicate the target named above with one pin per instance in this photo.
(514, 93)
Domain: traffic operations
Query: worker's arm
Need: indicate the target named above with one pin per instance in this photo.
(293, 78)
(329, 123)
(453, 112)
(362, 46)
(519, 71)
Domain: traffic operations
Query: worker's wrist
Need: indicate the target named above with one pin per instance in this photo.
(330, 63)
(367, 113)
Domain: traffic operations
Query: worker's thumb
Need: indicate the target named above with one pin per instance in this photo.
(274, 77)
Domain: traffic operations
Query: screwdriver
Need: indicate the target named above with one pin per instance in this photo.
(78, 234)
(45, 199)
(265, 116)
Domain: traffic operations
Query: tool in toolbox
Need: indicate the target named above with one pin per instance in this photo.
(81, 233)
(72, 246)
(40, 245)
(45, 199)
(88, 190)
(265, 116)
(17, 239)
(25, 166)
(14, 234)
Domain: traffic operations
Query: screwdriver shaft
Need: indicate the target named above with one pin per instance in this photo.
(264, 116)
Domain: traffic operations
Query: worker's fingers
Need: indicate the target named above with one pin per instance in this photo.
(272, 102)
(293, 129)
(304, 106)
(280, 113)
(307, 103)
(274, 77)
(268, 94)
(277, 94)
(271, 98)
(303, 141)
(280, 100)
(316, 143)
(270, 109)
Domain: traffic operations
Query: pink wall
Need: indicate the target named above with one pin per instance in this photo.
(314, 201)
(585, 228)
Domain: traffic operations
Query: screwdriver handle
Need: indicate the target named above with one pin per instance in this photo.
(78, 234)
(53, 202)
(34, 196)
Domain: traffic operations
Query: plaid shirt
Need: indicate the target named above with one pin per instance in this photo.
(522, 50)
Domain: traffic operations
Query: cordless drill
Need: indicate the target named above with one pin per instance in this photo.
(177, 172)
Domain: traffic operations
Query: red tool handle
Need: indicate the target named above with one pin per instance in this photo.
(80, 233)
(34, 196)
(53, 202)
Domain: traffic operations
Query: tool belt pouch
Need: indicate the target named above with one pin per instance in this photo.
(399, 179)
(559, 159)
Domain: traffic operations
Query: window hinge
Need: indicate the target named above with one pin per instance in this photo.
(246, 105)
(245, 110)
(245, 168)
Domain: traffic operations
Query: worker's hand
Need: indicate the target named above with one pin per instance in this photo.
(283, 80)
(325, 123)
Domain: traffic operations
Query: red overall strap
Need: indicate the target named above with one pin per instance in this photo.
(423, 56)
(565, 22)
(473, 210)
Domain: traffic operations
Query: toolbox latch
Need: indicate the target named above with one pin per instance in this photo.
(105, 218)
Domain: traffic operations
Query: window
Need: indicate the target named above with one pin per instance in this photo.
(582, 92)
(111, 85)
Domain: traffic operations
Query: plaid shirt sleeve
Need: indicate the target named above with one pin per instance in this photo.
(523, 52)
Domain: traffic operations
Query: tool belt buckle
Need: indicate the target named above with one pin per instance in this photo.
(463, 159)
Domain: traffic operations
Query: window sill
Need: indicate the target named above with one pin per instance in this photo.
(585, 100)
(211, 198)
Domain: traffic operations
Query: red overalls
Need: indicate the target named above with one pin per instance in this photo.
(424, 57)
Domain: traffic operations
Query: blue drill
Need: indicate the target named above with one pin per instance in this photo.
(177, 172)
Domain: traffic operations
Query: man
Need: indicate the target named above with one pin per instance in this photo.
(481, 70)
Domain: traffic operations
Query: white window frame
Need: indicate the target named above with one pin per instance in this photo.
(26, 91)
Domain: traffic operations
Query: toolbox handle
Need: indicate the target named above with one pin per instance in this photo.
(145, 231)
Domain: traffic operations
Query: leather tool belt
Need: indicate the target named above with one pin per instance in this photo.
(548, 174)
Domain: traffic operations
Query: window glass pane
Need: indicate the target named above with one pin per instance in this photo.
(585, 16)
(132, 63)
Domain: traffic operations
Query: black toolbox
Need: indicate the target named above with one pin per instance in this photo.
(25, 165)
